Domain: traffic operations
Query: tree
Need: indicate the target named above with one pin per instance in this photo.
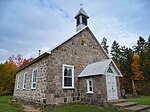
(144, 61)
(126, 69)
(115, 51)
(7, 76)
(135, 68)
(18, 60)
(104, 44)
(25, 61)
(140, 45)
(8, 73)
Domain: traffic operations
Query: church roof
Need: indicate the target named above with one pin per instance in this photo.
(63, 42)
(81, 11)
(98, 68)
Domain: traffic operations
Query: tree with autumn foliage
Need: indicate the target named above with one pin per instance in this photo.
(135, 68)
(18, 60)
(7, 77)
(8, 73)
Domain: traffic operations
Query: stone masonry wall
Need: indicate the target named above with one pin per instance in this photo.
(118, 87)
(38, 94)
(99, 90)
(79, 51)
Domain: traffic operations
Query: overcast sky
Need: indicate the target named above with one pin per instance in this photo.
(29, 25)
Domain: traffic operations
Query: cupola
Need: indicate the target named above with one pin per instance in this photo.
(81, 19)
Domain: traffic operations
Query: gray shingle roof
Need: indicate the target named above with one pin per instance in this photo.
(81, 11)
(98, 68)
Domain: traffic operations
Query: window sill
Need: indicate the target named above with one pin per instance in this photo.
(89, 92)
(68, 87)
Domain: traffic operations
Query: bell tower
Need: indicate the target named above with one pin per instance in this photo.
(81, 19)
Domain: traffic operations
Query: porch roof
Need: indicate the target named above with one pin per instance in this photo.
(98, 68)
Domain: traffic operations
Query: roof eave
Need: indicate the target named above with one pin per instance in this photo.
(33, 61)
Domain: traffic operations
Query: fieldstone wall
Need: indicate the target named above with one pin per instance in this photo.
(34, 95)
(79, 51)
(118, 87)
(99, 90)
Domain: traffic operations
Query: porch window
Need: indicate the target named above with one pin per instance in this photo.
(34, 79)
(89, 86)
(68, 76)
(18, 82)
(24, 81)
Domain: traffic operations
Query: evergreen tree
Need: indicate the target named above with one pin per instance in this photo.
(115, 51)
(104, 44)
(144, 61)
(140, 45)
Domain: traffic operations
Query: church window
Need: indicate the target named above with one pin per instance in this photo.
(25, 81)
(34, 79)
(68, 76)
(18, 82)
(89, 85)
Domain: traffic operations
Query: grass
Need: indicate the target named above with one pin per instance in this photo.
(6, 105)
(77, 107)
(143, 100)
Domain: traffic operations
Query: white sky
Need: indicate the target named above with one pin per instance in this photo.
(29, 25)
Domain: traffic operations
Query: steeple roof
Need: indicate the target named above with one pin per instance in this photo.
(81, 11)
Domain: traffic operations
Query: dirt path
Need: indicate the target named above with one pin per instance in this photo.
(28, 108)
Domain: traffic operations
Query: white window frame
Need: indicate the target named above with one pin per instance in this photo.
(32, 79)
(72, 68)
(18, 82)
(88, 86)
(25, 80)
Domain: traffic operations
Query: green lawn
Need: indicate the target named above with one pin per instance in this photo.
(77, 107)
(143, 100)
(6, 105)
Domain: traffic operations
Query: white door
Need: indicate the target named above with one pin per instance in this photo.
(111, 86)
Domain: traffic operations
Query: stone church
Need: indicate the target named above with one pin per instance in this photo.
(76, 70)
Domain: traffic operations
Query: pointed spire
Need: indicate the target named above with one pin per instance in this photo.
(82, 12)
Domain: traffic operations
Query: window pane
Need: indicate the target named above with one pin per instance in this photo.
(90, 83)
(70, 72)
(24, 86)
(65, 72)
(67, 81)
(34, 75)
(34, 85)
(25, 79)
(90, 88)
